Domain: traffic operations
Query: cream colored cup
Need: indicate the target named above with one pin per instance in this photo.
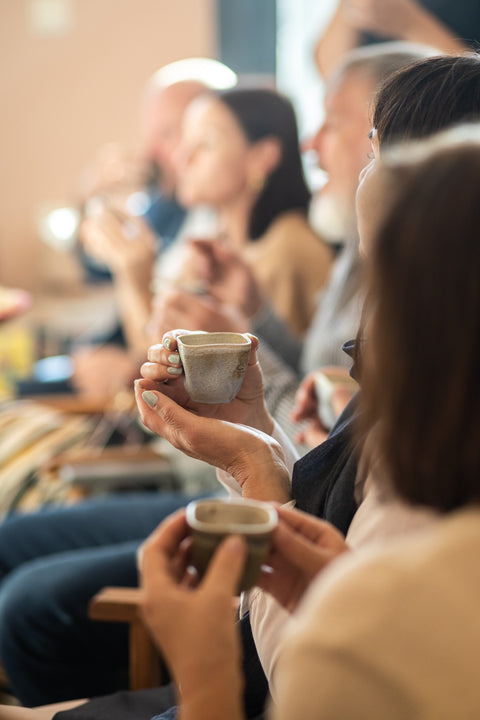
(214, 364)
(325, 382)
(212, 520)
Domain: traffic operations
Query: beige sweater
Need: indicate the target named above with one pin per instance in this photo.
(291, 264)
(391, 634)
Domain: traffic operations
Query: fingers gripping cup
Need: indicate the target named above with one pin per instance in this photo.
(212, 520)
(325, 382)
(214, 365)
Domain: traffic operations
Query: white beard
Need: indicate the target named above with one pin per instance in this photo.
(333, 218)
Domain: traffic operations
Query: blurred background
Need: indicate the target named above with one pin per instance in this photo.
(71, 76)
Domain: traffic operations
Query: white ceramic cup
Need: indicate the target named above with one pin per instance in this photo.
(325, 382)
(214, 519)
(214, 364)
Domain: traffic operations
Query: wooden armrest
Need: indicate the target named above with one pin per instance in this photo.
(122, 604)
(116, 604)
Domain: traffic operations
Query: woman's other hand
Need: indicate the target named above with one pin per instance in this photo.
(226, 275)
(194, 626)
(123, 242)
(305, 410)
(302, 546)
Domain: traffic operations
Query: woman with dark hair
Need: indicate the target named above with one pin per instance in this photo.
(386, 632)
(428, 96)
(267, 114)
(240, 156)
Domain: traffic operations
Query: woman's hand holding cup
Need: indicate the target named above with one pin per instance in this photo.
(163, 372)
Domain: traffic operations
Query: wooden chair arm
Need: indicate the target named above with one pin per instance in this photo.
(122, 604)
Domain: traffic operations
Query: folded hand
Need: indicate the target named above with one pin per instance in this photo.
(302, 546)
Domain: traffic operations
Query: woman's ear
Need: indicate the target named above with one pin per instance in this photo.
(270, 151)
(265, 157)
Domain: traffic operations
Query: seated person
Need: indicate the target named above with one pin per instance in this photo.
(240, 156)
(128, 245)
(379, 596)
(27, 639)
(394, 624)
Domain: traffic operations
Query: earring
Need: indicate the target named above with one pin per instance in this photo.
(256, 183)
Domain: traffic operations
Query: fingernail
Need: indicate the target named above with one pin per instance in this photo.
(150, 398)
(174, 370)
(166, 343)
(174, 358)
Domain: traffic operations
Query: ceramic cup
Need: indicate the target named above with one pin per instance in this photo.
(212, 520)
(214, 364)
(325, 381)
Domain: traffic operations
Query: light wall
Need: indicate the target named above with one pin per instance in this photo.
(65, 95)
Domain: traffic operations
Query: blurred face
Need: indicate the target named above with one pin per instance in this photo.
(342, 146)
(214, 158)
(160, 126)
(370, 199)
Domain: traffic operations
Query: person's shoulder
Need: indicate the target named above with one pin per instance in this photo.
(411, 572)
(401, 625)
(292, 221)
(292, 229)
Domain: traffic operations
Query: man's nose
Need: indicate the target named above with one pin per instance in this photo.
(317, 145)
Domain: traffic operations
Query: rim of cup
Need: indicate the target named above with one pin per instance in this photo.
(232, 527)
(215, 338)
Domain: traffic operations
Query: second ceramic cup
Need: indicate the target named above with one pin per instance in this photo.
(212, 520)
(214, 365)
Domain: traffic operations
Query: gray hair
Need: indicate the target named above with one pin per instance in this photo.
(380, 61)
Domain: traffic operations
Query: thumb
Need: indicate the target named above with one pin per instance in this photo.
(226, 567)
(254, 348)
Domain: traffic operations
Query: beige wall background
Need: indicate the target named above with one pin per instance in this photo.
(65, 95)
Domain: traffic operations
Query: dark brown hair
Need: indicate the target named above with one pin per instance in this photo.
(266, 113)
(420, 380)
(418, 101)
(428, 96)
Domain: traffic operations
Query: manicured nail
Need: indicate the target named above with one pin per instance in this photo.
(174, 370)
(166, 343)
(150, 398)
(174, 358)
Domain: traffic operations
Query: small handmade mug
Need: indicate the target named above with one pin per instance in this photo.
(211, 520)
(214, 364)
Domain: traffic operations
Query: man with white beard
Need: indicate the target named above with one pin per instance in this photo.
(342, 146)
